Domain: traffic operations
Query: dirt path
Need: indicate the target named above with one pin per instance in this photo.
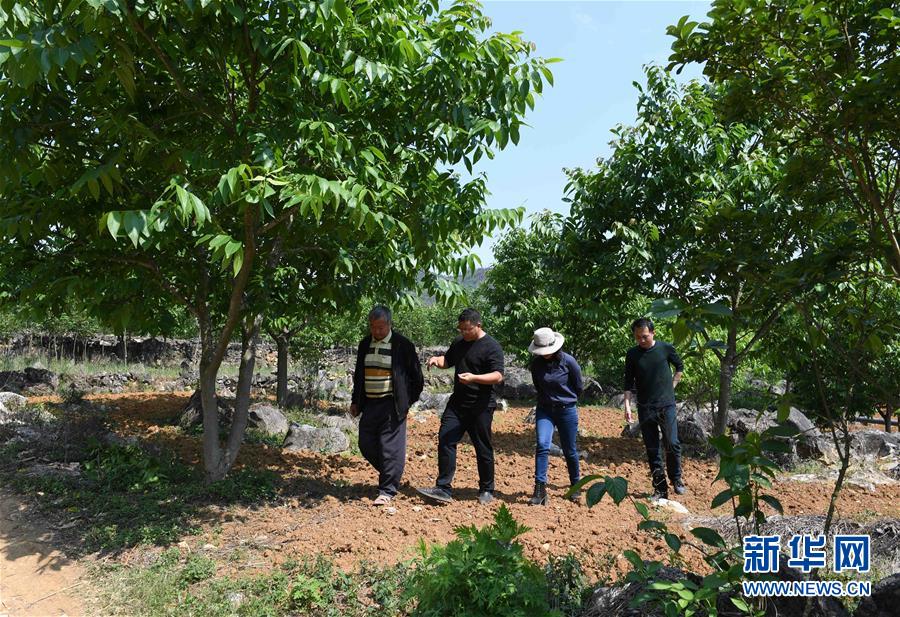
(326, 499)
(36, 579)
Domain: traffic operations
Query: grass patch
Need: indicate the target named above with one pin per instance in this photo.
(127, 496)
(178, 584)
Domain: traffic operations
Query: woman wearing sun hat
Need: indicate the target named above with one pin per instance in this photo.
(557, 379)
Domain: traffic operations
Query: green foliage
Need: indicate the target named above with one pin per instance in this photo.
(428, 325)
(245, 159)
(747, 470)
(177, 585)
(481, 573)
(690, 206)
(129, 496)
(841, 349)
(124, 468)
(530, 286)
(826, 74)
(567, 584)
(196, 569)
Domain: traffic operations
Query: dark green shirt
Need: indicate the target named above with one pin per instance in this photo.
(648, 374)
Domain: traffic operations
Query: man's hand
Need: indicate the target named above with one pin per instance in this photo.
(354, 410)
(466, 378)
(437, 361)
(628, 417)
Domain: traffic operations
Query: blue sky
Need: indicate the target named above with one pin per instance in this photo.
(604, 45)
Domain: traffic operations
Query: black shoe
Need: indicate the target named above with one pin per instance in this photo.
(658, 494)
(679, 487)
(540, 495)
(485, 497)
(575, 497)
(435, 493)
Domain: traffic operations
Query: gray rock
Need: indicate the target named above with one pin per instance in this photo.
(593, 391)
(305, 437)
(615, 601)
(56, 470)
(431, 401)
(616, 400)
(341, 394)
(192, 415)
(268, 419)
(884, 600)
(874, 444)
(12, 401)
(502, 405)
(809, 442)
(343, 423)
(294, 400)
(517, 384)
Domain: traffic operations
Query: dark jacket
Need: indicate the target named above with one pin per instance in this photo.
(406, 374)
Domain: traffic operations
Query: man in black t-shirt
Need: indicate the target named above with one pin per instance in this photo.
(478, 360)
(648, 374)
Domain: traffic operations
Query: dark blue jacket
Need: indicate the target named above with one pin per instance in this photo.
(557, 381)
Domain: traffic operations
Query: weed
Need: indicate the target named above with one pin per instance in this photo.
(567, 584)
(482, 572)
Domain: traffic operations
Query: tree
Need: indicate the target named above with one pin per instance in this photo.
(827, 74)
(529, 287)
(840, 349)
(688, 209)
(214, 141)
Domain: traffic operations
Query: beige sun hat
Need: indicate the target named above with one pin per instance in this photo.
(545, 342)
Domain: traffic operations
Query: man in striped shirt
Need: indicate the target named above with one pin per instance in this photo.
(388, 379)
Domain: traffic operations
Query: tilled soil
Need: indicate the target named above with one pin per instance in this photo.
(326, 503)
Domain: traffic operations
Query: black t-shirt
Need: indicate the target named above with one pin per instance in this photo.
(647, 372)
(480, 356)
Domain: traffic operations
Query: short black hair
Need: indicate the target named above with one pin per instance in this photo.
(643, 322)
(470, 315)
(380, 311)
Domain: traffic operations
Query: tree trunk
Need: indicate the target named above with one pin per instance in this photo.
(281, 390)
(123, 341)
(888, 415)
(727, 367)
(217, 461)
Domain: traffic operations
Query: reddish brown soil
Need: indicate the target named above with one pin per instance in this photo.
(326, 503)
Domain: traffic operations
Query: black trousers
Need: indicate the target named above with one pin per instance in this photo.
(382, 441)
(454, 424)
(656, 420)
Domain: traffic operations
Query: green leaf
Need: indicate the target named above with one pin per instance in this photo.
(617, 488)
(673, 541)
(709, 536)
(595, 494)
(722, 498)
(113, 223)
(238, 262)
(666, 307)
(772, 501)
(642, 509)
(12, 43)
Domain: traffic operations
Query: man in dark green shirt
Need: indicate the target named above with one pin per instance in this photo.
(648, 374)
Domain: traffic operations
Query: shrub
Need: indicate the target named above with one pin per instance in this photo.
(567, 584)
(482, 573)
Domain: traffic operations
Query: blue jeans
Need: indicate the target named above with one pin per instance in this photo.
(565, 419)
(655, 420)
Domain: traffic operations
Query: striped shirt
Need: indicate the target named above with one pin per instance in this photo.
(378, 368)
